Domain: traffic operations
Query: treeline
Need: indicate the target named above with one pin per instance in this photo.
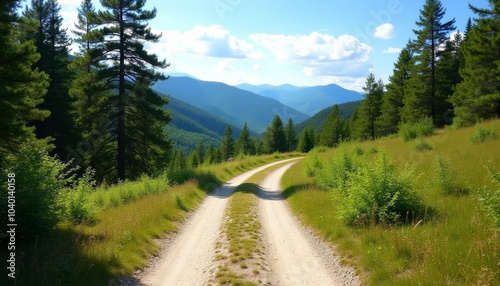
(448, 81)
(96, 108)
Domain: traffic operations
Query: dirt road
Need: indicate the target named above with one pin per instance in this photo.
(295, 256)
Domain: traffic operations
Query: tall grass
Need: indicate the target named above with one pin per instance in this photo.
(454, 242)
(483, 133)
(411, 130)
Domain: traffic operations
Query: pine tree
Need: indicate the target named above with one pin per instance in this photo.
(93, 107)
(274, 139)
(420, 98)
(306, 140)
(244, 144)
(334, 130)
(200, 148)
(364, 126)
(392, 101)
(52, 43)
(478, 95)
(290, 136)
(139, 119)
(210, 155)
(22, 88)
(227, 146)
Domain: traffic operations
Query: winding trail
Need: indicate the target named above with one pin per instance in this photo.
(187, 260)
(295, 256)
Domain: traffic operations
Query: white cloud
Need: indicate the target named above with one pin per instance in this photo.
(318, 54)
(392, 50)
(213, 41)
(257, 67)
(385, 31)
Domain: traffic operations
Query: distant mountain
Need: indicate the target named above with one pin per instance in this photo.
(228, 103)
(308, 100)
(318, 120)
(190, 124)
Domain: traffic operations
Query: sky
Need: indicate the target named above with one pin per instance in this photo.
(298, 42)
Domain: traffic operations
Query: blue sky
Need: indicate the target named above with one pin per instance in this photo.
(301, 42)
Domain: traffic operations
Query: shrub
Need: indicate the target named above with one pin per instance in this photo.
(491, 199)
(422, 128)
(39, 180)
(483, 133)
(336, 173)
(75, 201)
(376, 194)
(446, 179)
(312, 164)
(422, 145)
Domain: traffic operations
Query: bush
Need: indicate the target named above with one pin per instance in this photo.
(336, 173)
(446, 179)
(371, 193)
(482, 134)
(312, 164)
(421, 128)
(39, 180)
(491, 199)
(75, 201)
(422, 145)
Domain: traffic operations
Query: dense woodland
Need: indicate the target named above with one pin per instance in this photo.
(96, 112)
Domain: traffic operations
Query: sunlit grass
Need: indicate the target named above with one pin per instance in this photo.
(455, 244)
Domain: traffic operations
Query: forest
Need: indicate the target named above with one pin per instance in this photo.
(72, 121)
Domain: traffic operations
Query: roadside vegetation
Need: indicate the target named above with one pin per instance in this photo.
(99, 233)
(403, 217)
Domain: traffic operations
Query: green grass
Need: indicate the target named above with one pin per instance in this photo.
(120, 237)
(242, 236)
(454, 242)
(483, 133)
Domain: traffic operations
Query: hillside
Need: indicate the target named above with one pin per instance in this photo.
(318, 120)
(229, 103)
(309, 100)
(190, 124)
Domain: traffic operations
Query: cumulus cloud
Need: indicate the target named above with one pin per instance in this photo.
(318, 54)
(213, 41)
(385, 31)
(392, 50)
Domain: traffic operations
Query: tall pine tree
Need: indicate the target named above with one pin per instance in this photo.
(52, 43)
(139, 120)
(22, 88)
(477, 97)
(290, 136)
(392, 101)
(244, 144)
(421, 99)
(364, 126)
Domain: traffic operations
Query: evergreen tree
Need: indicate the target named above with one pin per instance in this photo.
(306, 140)
(52, 43)
(22, 88)
(447, 77)
(364, 126)
(421, 99)
(227, 146)
(477, 97)
(392, 101)
(93, 107)
(244, 144)
(210, 155)
(193, 159)
(334, 130)
(275, 140)
(139, 119)
(290, 136)
(200, 148)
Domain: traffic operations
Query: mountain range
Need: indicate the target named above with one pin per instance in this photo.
(228, 103)
(201, 110)
(309, 100)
